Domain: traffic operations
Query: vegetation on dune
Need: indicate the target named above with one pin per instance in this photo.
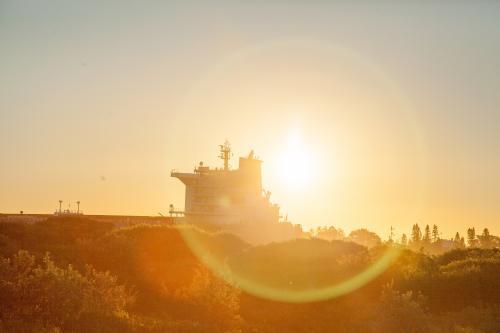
(42, 296)
(301, 264)
(98, 278)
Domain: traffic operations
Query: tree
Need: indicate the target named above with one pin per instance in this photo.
(485, 239)
(458, 241)
(391, 235)
(404, 240)
(435, 234)
(471, 237)
(416, 234)
(427, 234)
(364, 237)
(329, 233)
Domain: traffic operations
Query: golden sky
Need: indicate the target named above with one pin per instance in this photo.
(393, 108)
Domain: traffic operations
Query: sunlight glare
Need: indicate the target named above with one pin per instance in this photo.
(297, 163)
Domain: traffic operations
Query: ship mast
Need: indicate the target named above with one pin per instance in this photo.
(225, 154)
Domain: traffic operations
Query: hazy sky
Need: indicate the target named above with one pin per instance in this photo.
(396, 106)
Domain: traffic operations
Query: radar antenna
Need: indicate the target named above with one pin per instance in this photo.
(225, 154)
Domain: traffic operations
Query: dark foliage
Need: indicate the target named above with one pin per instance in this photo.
(146, 279)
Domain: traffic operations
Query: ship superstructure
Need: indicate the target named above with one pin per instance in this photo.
(227, 196)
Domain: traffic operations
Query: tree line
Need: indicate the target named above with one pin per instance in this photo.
(429, 239)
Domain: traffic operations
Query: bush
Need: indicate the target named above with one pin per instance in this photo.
(400, 312)
(50, 298)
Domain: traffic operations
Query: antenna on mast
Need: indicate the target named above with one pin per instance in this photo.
(225, 154)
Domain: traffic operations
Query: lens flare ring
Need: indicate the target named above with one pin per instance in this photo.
(220, 266)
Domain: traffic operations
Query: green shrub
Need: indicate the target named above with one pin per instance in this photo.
(48, 296)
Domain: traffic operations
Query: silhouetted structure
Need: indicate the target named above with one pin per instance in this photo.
(68, 211)
(226, 196)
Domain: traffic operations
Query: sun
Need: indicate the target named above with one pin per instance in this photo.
(297, 163)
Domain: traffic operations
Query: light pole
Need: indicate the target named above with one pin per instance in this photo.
(78, 209)
(60, 206)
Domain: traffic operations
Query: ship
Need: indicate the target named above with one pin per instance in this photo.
(226, 196)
